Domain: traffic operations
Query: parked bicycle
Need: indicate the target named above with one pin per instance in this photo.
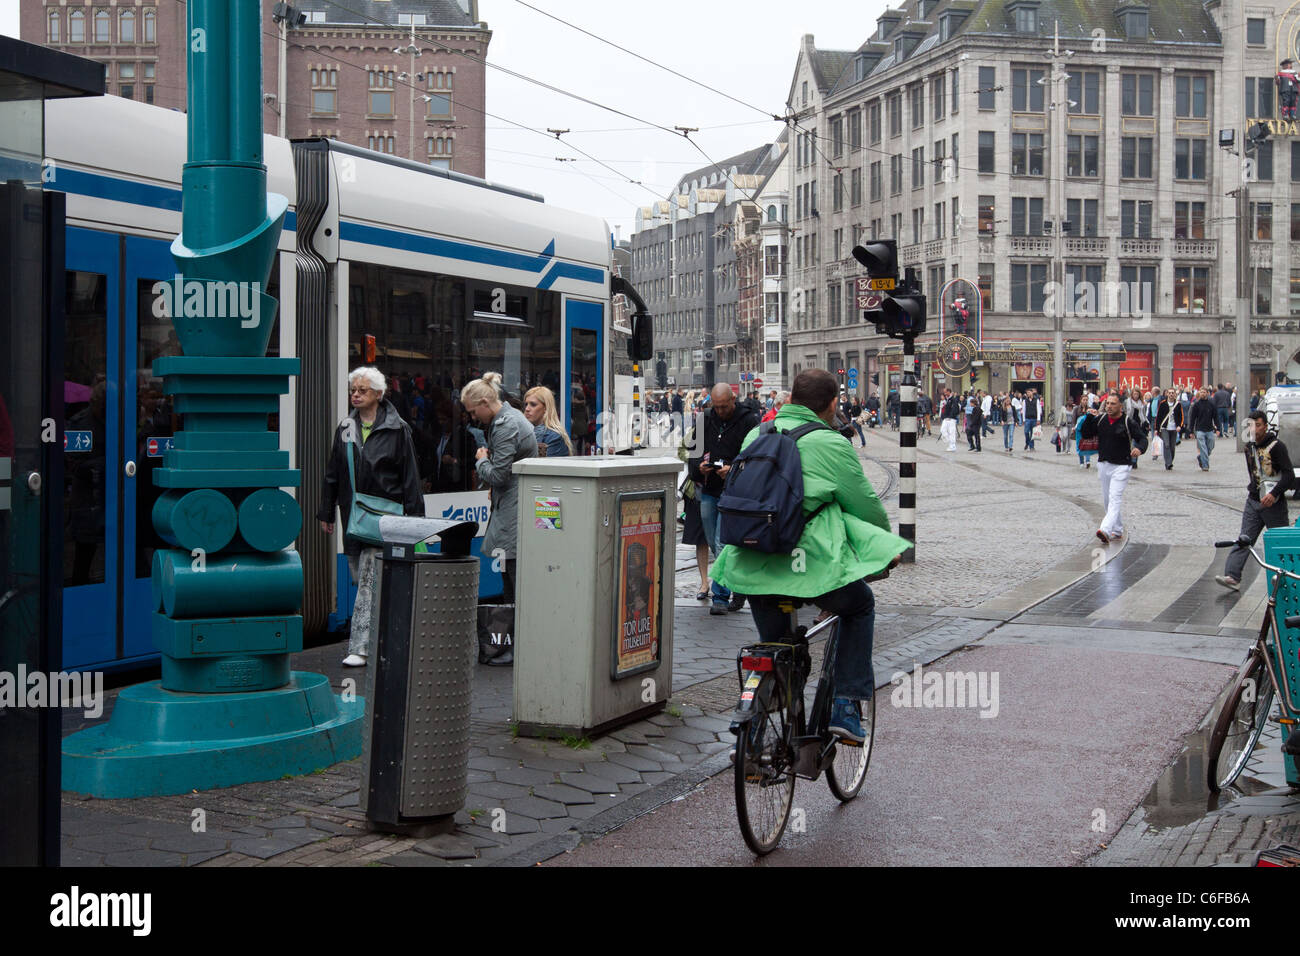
(1261, 679)
(777, 741)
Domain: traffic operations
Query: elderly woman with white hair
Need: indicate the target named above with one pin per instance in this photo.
(384, 463)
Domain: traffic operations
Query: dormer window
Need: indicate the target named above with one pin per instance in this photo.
(1024, 17)
(950, 22)
(925, 8)
(904, 45)
(885, 25)
(1134, 19)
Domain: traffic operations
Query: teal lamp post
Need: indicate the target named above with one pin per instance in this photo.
(226, 595)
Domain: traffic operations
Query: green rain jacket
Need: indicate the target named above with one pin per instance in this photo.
(847, 541)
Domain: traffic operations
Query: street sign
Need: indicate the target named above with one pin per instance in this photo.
(78, 441)
(868, 301)
(881, 285)
(157, 446)
(758, 383)
(853, 378)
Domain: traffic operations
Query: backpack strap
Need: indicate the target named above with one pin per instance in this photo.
(807, 428)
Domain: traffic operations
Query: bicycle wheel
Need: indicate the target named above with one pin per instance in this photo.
(849, 769)
(1239, 726)
(764, 777)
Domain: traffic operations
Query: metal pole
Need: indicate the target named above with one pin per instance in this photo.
(1243, 303)
(410, 85)
(907, 449)
(282, 85)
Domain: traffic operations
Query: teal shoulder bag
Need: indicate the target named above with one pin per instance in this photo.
(363, 518)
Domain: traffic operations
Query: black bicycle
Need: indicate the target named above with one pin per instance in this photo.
(777, 741)
(1260, 680)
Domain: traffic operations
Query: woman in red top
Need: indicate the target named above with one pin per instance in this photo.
(781, 399)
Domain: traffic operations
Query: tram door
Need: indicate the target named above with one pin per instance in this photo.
(117, 426)
(584, 361)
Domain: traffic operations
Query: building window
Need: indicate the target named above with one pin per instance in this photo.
(126, 91)
(1259, 97)
(833, 294)
(148, 93)
(77, 27)
(1135, 157)
(150, 26)
(773, 354)
(1026, 19)
(986, 215)
(439, 95)
(937, 276)
(956, 88)
(1082, 215)
(1026, 154)
(939, 217)
(126, 26)
(1189, 220)
(918, 167)
(126, 71)
(1261, 219)
(1026, 91)
(52, 31)
(381, 144)
(1137, 94)
(1190, 96)
(955, 166)
(1084, 91)
(917, 94)
(895, 174)
(1135, 219)
(1295, 292)
(875, 182)
(1079, 273)
(988, 80)
(940, 160)
(1263, 291)
(1189, 159)
(918, 225)
(410, 19)
(837, 193)
(873, 122)
(103, 27)
(987, 140)
(1264, 161)
(896, 114)
(1295, 222)
(1081, 156)
(837, 136)
(1191, 288)
(1027, 281)
(855, 186)
(439, 150)
(1026, 216)
(381, 92)
(938, 88)
(324, 91)
(855, 129)
(985, 283)
(1255, 31)
(1144, 277)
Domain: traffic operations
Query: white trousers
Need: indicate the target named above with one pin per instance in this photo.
(1113, 480)
(948, 430)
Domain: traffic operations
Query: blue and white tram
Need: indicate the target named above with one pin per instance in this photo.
(430, 276)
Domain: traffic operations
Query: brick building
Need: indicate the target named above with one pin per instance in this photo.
(349, 72)
(1042, 149)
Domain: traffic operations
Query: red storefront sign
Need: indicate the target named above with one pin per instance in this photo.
(1189, 369)
(1137, 370)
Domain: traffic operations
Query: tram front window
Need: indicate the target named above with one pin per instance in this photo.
(85, 398)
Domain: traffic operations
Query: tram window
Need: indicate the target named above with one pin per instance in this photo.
(435, 333)
(85, 397)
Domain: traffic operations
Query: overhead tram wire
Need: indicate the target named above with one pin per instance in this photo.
(360, 69)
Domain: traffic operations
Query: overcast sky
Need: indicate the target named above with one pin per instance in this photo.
(743, 47)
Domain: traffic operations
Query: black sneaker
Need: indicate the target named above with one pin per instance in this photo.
(737, 602)
(716, 608)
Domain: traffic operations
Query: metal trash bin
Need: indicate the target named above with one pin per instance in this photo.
(415, 762)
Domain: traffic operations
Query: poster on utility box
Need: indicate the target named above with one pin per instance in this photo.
(638, 587)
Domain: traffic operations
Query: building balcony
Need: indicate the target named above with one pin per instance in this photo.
(933, 250)
(1197, 249)
(1261, 254)
(910, 255)
(1087, 246)
(1031, 245)
(1141, 248)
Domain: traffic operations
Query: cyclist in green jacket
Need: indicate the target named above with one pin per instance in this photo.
(846, 541)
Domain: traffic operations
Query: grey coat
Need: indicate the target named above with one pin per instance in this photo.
(511, 439)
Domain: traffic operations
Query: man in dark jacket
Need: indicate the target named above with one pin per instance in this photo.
(1117, 435)
(1203, 424)
(1268, 465)
(975, 425)
(1223, 409)
(949, 411)
(725, 426)
(1169, 421)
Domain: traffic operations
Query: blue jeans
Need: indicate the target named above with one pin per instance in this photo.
(853, 676)
(1008, 435)
(1029, 431)
(1225, 420)
(1204, 445)
(709, 518)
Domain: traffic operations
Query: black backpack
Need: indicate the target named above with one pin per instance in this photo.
(761, 507)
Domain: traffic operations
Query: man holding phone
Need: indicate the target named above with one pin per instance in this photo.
(725, 427)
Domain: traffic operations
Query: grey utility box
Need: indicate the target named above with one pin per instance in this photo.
(415, 754)
(594, 619)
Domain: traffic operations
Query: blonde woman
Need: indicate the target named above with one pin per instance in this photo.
(510, 439)
(539, 409)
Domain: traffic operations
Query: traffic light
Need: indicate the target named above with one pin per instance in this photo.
(902, 307)
(879, 258)
(661, 373)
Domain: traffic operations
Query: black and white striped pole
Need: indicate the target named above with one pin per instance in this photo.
(907, 449)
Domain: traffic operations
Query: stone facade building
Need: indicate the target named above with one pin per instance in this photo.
(684, 264)
(348, 71)
(1065, 161)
